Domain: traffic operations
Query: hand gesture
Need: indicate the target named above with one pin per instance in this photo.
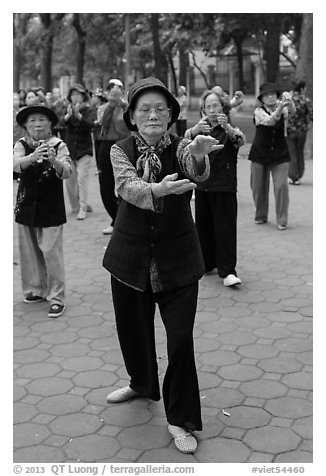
(40, 153)
(222, 120)
(203, 145)
(202, 127)
(171, 186)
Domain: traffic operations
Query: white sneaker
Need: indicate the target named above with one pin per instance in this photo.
(108, 231)
(231, 280)
(81, 215)
(121, 395)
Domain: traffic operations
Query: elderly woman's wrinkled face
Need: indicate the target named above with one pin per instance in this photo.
(269, 98)
(213, 107)
(38, 126)
(151, 116)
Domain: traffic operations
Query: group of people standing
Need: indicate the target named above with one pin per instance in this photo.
(157, 252)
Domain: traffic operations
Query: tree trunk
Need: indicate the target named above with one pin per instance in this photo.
(16, 67)
(173, 74)
(238, 44)
(80, 59)
(183, 66)
(304, 68)
(160, 65)
(273, 50)
(46, 65)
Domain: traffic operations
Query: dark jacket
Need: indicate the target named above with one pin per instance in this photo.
(168, 237)
(79, 138)
(113, 125)
(40, 200)
(269, 146)
(223, 176)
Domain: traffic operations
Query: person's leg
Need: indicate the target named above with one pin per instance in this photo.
(292, 142)
(32, 264)
(301, 143)
(50, 241)
(134, 312)
(205, 229)
(83, 165)
(259, 182)
(180, 386)
(281, 192)
(71, 185)
(224, 209)
(106, 180)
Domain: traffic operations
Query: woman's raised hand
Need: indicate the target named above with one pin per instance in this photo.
(203, 145)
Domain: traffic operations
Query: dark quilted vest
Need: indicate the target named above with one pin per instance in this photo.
(170, 237)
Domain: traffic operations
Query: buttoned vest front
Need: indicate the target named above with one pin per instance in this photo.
(169, 236)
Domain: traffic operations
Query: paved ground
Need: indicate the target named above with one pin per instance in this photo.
(253, 348)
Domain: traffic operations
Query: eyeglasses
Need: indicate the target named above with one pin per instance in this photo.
(159, 111)
(213, 106)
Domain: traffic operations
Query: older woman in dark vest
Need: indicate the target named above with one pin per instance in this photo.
(269, 154)
(154, 254)
(43, 163)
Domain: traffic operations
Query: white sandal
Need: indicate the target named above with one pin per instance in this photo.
(183, 440)
(121, 395)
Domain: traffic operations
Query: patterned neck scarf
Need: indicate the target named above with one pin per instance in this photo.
(148, 165)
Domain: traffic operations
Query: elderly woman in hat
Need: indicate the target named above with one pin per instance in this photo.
(79, 119)
(269, 154)
(43, 163)
(154, 254)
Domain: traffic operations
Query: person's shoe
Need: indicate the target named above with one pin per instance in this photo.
(231, 280)
(107, 231)
(260, 221)
(296, 182)
(89, 208)
(31, 299)
(281, 227)
(121, 395)
(81, 215)
(56, 309)
(183, 440)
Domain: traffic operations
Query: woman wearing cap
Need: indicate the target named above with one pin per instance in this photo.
(154, 254)
(269, 154)
(79, 119)
(43, 163)
(216, 205)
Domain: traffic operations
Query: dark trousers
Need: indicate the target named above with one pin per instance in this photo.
(296, 142)
(216, 222)
(181, 127)
(134, 312)
(106, 179)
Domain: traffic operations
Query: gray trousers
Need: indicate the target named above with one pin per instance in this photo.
(77, 183)
(259, 182)
(41, 261)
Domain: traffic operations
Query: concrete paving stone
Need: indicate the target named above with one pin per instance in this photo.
(235, 311)
(31, 399)
(254, 402)
(43, 419)
(240, 372)
(306, 445)
(219, 358)
(294, 456)
(278, 294)
(212, 428)
(222, 397)
(144, 437)
(246, 417)
(308, 368)
(208, 380)
(109, 430)
(295, 302)
(57, 441)
(61, 404)
(263, 389)
(205, 368)
(91, 448)
(253, 322)
(272, 332)
(265, 308)
(160, 421)
(105, 343)
(257, 351)
(126, 415)
(75, 424)
(26, 434)
(233, 433)
(222, 450)
(74, 349)
(59, 337)
(283, 422)
(285, 316)
(96, 332)
(95, 379)
(237, 338)
(66, 374)
(28, 356)
(129, 454)
(305, 326)
(306, 311)
(280, 365)
(218, 327)
(273, 376)
(113, 357)
(249, 361)
(39, 454)
(271, 439)
(289, 344)
(301, 380)
(51, 325)
(289, 407)
(304, 427)
(260, 458)
(108, 367)
(205, 316)
(49, 386)
(248, 297)
(230, 384)
(38, 370)
(23, 412)
(19, 331)
(299, 393)
(204, 345)
(18, 392)
(164, 455)
(94, 409)
(82, 363)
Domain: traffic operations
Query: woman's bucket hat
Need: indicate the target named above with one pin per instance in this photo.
(268, 88)
(144, 85)
(77, 87)
(36, 109)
